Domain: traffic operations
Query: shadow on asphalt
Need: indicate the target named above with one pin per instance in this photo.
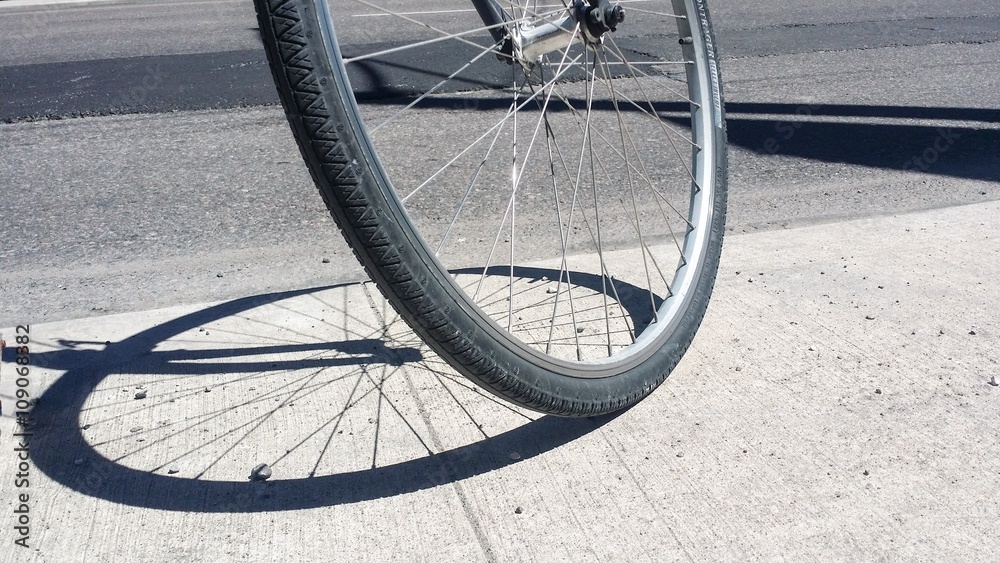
(851, 135)
(958, 151)
(61, 451)
(854, 138)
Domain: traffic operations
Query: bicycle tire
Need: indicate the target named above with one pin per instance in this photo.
(325, 117)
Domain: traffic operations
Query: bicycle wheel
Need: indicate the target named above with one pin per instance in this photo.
(542, 200)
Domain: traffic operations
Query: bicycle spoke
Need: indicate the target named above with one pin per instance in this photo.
(468, 191)
(597, 208)
(621, 58)
(595, 148)
(445, 36)
(623, 130)
(484, 135)
(611, 146)
(640, 10)
(516, 175)
(544, 205)
(638, 83)
(426, 94)
(563, 268)
(514, 178)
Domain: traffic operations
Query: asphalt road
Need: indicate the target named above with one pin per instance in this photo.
(76, 61)
(153, 201)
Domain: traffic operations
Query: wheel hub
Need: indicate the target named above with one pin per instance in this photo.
(594, 19)
(600, 17)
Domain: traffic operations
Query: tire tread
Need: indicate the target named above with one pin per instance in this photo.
(307, 96)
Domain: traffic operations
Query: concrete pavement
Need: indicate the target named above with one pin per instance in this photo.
(836, 405)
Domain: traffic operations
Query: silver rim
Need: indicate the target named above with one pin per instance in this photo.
(571, 197)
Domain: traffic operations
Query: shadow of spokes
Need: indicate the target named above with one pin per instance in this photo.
(238, 394)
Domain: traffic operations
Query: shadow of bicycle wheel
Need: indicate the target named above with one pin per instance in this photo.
(326, 385)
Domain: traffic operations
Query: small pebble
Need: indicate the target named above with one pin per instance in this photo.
(135, 429)
(812, 348)
(865, 472)
(326, 260)
(79, 461)
(993, 381)
(869, 318)
(680, 454)
(972, 333)
(518, 510)
(260, 473)
(218, 275)
(515, 456)
(208, 390)
(140, 395)
(550, 290)
(173, 470)
(878, 391)
(579, 330)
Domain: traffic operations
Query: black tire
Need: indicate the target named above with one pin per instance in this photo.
(324, 115)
